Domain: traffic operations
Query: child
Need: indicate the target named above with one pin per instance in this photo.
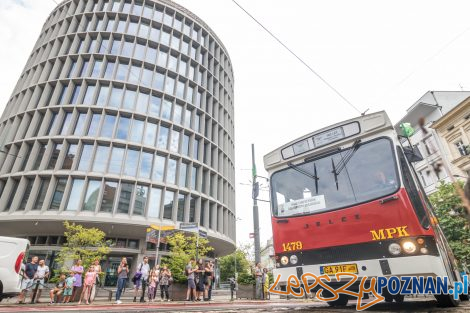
(266, 284)
(90, 278)
(68, 287)
(153, 281)
(58, 289)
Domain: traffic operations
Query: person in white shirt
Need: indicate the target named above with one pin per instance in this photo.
(41, 275)
(144, 270)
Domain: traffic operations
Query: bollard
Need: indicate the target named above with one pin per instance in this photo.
(35, 292)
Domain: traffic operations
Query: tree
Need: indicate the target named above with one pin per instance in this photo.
(452, 219)
(227, 265)
(182, 249)
(86, 244)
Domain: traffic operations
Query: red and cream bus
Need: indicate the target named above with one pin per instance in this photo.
(345, 198)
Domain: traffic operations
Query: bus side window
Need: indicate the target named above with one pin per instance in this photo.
(412, 190)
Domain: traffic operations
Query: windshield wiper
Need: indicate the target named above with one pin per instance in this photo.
(344, 161)
(313, 176)
(335, 173)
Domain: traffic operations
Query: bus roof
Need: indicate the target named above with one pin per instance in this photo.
(328, 137)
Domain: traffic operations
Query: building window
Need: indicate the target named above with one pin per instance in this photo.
(461, 148)
(125, 198)
(430, 145)
(66, 124)
(132, 161)
(58, 194)
(146, 165)
(92, 194)
(180, 212)
(26, 194)
(85, 158)
(168, 204)
(80, 124)
(141, 195)
(41, 194)
(171, 171)
(115, 163)
(94, 125)
(109, 194)
(75, 194)
(154, 203)
(101, 159)
(55, 155)
(192, 210)
(158, 168)
(42, 149)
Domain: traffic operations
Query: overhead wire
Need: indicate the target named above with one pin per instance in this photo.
(298, 58)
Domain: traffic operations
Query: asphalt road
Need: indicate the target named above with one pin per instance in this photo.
(410, 305)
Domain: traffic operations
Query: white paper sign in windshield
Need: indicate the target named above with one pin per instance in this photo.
(302, 206)
(328, 136)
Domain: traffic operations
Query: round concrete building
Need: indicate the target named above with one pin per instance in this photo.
(122, 118)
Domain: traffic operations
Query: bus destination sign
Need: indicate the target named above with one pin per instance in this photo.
(329, 136)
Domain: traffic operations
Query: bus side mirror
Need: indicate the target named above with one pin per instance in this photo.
(412, 154)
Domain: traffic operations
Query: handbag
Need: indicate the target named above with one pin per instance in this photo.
(138, 274)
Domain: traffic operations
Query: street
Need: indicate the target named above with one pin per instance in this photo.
(410, 305)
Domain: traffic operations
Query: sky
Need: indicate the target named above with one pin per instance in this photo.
(380, 55)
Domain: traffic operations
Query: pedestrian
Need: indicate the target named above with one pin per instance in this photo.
(90, 279)
(207, 280)
(97, 268)
(42, 274)
(123, 272)
(77, 268)
(199, 279)
(165, 276)
(259, 281)
(68, 290)
(157, 272)
(209, 294)
(58, 289)
(153, 282)
(140, 278)
(28, 276)
(189, 271)
(265, 284)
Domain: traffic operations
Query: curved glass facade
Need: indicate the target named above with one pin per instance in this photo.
(123, 114)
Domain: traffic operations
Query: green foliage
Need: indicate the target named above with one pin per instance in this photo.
(452, 219)
(227, 265)
(182, 249)
(86, 244)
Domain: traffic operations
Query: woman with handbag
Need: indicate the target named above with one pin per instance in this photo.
(165, 281)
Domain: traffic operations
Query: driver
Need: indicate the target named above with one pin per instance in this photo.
(380, 180)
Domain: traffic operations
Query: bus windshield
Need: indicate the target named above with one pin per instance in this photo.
(361, 173)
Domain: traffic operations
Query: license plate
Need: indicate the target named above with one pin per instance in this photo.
(342, 268)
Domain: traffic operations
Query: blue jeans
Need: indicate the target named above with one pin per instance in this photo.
(121, 284)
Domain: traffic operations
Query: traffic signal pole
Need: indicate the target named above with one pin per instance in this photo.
(255, 209)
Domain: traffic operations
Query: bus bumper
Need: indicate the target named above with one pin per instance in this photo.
(423, 265)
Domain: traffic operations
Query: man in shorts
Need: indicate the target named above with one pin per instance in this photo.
(189, 271)
(58, 289)
(42, 273)
(28, 276)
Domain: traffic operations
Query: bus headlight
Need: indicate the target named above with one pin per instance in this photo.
(394, 249)
(409, 247)
(293, 259)
(284, 260)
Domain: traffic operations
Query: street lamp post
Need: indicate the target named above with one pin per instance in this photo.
(255, 210)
